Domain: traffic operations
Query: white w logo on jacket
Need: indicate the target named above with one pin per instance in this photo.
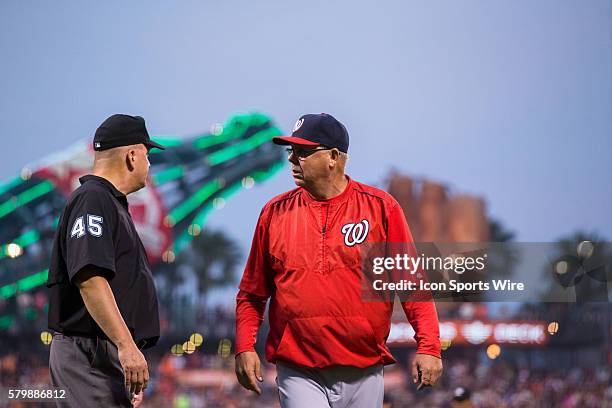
(355, 232)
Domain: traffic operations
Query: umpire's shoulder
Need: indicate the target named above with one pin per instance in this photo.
(89, 190)
(375, 193)
(91, 194)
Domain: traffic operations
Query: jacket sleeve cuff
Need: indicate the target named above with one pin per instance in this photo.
(243, 348)
(430, 352)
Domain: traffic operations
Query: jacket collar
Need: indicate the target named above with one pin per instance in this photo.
(335, 200)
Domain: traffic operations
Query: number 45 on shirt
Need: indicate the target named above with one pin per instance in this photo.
(94, 226)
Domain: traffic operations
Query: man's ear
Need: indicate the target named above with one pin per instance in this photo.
(334, 155)
(130, 157)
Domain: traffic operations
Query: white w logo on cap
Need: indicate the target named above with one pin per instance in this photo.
(298, 124)
(355, 233)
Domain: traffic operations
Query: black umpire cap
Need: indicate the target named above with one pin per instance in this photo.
(122, 130)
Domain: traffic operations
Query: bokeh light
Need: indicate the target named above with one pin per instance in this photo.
(194, 230)
(225, 348)
(248, 182)
(168, 222)
(219, 203)
(561, 267)
(585, 249)
(189, 347)
(13, 250)
(46, 337)
(177, 350)
(26, 173)
(197, 339)
(168, 256)
(216, 129)
(493, 351)
(553, 327)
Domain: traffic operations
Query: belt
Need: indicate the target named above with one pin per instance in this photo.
(140, 343)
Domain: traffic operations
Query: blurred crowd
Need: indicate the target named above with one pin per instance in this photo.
(573, 370)
(203, 380)
(499, 384)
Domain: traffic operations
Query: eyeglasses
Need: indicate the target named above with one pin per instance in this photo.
(304, 153)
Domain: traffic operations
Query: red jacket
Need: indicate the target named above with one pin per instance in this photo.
(301, 259)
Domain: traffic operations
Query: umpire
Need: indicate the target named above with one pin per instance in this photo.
(103, 305)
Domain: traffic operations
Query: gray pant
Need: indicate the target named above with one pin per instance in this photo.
(89, 371)
(333, 387)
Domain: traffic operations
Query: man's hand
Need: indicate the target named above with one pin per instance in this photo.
(248, 371)
(135, 368)
(101, 305)
(137, 400)
(430, 368)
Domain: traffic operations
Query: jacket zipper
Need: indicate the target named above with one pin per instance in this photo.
(323, 231)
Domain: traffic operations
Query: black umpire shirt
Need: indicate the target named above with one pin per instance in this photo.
(95, 228)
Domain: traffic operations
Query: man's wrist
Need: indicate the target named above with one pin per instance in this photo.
(429, 353)
(244, 350)
(125, 342)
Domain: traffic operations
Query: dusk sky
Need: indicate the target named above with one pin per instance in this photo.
(508, 100)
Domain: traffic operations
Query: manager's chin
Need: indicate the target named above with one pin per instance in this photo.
(298, 179)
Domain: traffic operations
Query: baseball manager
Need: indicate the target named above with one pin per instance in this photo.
(328, 344)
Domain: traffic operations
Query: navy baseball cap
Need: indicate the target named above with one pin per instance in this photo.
(317, 129)
(122, 130)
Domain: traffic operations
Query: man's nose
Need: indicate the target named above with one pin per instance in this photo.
(293, 158)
